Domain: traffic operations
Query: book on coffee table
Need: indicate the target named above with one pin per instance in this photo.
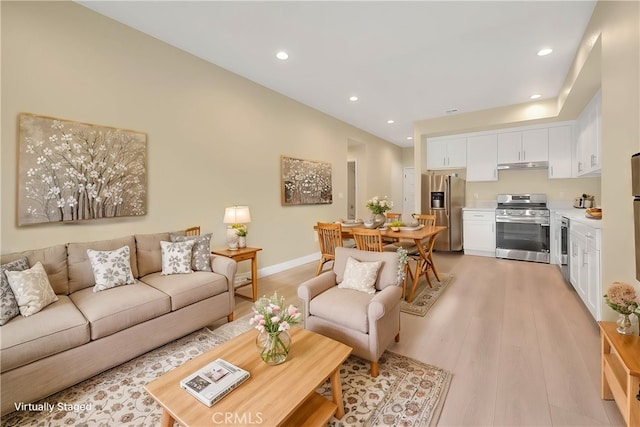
(214, 381)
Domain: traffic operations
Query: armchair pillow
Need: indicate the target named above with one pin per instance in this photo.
(360, 275)
(32, 289)
(176, 257)
(110, 268)
(8, 304)
(201, 252)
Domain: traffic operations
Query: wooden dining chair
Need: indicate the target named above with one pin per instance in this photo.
(393, 216)
(329, 238)
(423, 265)
(192, 231)
(424, 219)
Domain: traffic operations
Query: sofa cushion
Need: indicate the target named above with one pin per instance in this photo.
(346, 307)
(186, 289)
(56, 328)
(176, 257)
(111, 268)
(201, 252)
(8, 305)
(119, 308)
(80, 271)
(149, 252)
(54, 261)
(32, 289)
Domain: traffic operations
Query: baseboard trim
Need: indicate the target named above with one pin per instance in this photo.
(277, 268)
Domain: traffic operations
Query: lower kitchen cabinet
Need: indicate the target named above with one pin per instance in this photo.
(479, 232)
(584, 266)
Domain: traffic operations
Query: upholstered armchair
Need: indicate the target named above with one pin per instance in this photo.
(339, 306)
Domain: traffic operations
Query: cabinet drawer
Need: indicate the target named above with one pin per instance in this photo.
(479, 215)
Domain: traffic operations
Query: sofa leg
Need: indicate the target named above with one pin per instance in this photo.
(230, 318)
(374, 369)
(398, 337)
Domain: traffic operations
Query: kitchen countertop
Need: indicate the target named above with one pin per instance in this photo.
(578, 215)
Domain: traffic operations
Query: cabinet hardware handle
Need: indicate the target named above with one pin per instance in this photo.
(551, 170)
(524, 155)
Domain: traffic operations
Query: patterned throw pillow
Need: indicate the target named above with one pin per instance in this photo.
(176, 257)
(32, 289)
(360, 275)
(201, 252)
(111, 268)
(8, 304)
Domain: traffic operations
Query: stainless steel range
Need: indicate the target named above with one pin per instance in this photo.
(522, 227)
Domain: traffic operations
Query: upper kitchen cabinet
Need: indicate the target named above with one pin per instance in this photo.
(446, 153)
(482, 156)
(523, 146)
(560, 152)
(588, 138)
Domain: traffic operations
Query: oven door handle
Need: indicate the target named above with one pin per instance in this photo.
(543, 222)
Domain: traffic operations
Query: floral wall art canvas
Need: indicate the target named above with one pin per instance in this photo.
(305, 182)
(70, 171)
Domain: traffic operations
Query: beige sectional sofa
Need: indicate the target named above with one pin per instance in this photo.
(84, 332)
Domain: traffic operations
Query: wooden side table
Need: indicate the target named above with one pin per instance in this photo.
(621, 371)
(244, 254)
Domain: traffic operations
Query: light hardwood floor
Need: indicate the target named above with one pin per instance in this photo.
(523, 349)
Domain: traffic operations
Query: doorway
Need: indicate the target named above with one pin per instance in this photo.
(351, 189)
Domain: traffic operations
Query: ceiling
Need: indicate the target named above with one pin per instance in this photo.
(406, 61)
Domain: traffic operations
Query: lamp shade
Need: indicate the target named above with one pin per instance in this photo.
(237, 215)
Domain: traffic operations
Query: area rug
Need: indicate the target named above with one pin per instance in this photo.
(406, 392)
(424, 296)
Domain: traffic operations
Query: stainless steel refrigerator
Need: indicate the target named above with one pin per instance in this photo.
(443, 196)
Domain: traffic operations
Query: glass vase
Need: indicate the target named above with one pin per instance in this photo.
(378, 219)
(273, 347)
(624, 325)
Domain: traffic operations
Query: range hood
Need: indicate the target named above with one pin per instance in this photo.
(528, 165)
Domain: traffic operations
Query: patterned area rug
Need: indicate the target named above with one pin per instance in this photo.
(425, 296)
(406, 392)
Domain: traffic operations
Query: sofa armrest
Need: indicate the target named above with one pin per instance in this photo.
(313, 287)
(227, 267)
(383, 302)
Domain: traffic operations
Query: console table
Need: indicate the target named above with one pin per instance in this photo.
(621, 371)
(244, 254)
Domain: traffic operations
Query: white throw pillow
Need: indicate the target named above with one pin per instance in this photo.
(111, 268)
(360, 275)
(32, 289)
(176, 257)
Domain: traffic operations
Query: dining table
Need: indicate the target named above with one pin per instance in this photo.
(421, 236)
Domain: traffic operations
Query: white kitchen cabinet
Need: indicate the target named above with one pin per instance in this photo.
(523, 146)
(556, 237)
(448, 153)
(560, 152)
(588, 138)
(584, 266)
(482, 158)
(479, 232)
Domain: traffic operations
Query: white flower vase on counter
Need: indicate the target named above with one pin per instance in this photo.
(242, 241)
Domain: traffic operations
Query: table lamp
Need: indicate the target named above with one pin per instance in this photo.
(236, 217)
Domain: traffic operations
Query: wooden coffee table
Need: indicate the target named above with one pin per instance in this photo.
(274, 395)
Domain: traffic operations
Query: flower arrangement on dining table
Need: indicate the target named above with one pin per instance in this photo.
(379, 205)
(271, 318)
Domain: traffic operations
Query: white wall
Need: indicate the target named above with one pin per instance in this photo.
(214, 138)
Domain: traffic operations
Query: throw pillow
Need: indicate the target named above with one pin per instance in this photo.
(32, 289)
(360, 275)
(176, 257)
(8, 304)
(111, 268)
(201, 252)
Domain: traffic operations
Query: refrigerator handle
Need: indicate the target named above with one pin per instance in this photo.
(447, 195)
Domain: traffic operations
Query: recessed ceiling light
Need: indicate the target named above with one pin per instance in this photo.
(545, 51)
(391, 122)
(535, 96)
(353, 98)
(282, 55)
(409, 138)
